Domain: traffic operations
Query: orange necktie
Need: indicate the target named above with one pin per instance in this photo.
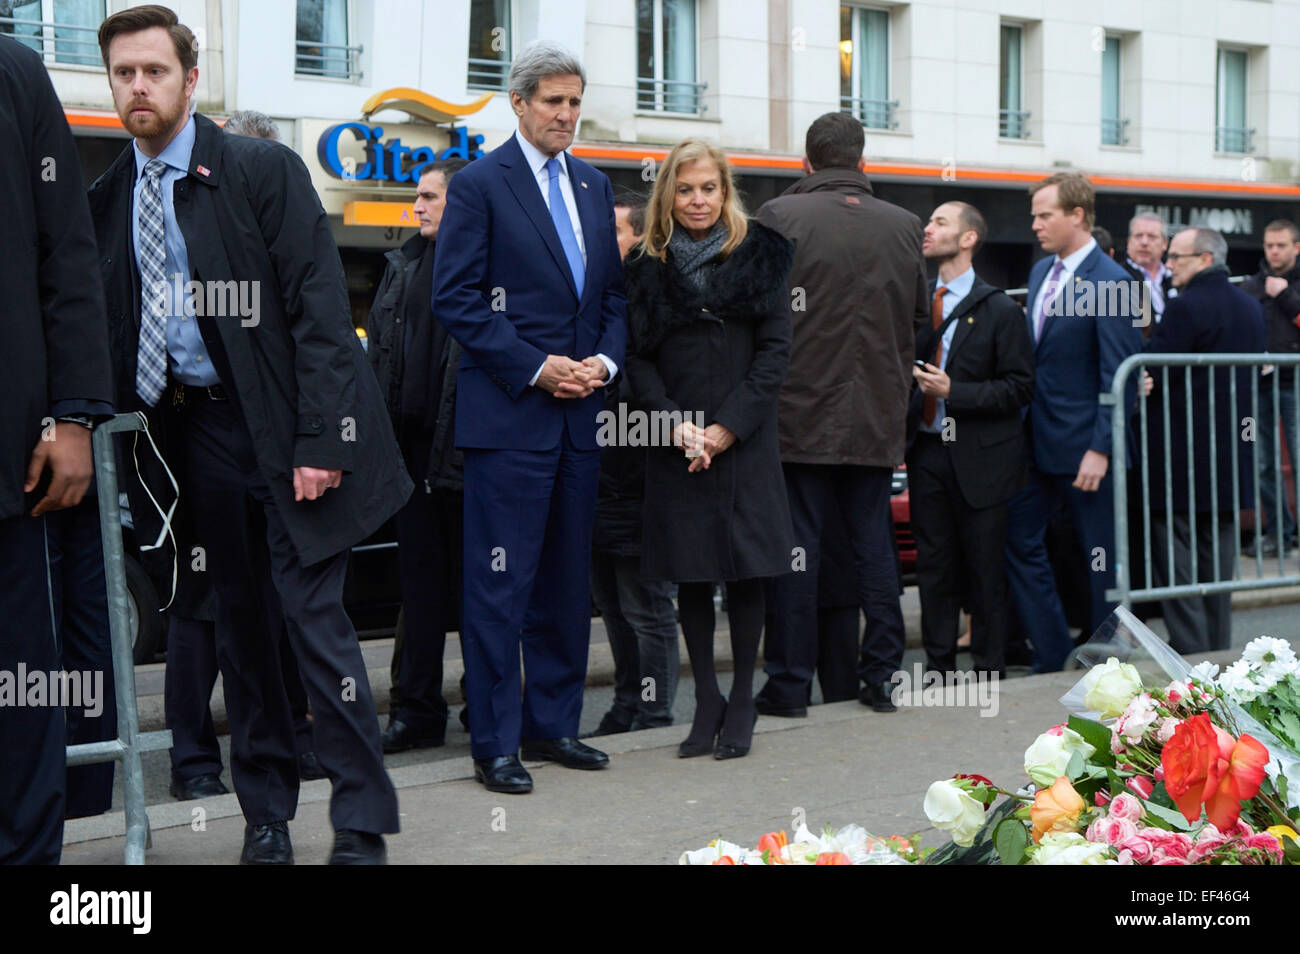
(929, 405)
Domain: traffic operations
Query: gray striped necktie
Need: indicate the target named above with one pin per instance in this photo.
(151, 361)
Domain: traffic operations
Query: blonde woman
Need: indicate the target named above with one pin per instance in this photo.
(709, 339)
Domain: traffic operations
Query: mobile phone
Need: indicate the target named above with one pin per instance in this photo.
(919, 364)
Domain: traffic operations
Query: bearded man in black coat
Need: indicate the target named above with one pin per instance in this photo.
(230, 325)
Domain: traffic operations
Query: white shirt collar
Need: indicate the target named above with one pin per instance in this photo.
(536, 159)
(1075, 259)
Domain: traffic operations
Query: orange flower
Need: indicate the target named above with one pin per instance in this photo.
(725, 860)
(833, 858)
(772, 843)
(1205, 765)
(1056, 809)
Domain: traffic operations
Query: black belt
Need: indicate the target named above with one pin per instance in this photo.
(193, 393)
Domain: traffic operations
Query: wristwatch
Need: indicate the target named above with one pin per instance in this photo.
(85, 420)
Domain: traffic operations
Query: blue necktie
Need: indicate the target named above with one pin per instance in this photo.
(151, 359)
(560, 216)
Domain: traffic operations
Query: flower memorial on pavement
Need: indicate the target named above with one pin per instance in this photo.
(1203, 770)
(1198, 771)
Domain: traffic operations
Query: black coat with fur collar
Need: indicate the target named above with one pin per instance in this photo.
(714, 356)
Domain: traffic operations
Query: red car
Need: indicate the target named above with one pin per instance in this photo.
(900, 506)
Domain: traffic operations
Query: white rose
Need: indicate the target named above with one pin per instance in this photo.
(1049, 756)
(1109, 687)
(1069, 848)
(951, 809)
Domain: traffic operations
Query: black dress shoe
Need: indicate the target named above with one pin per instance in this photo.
(568, 752)
(697, 742)
(735, 750)
(765, 707)
(201, 786)
(609, 725)
(309, 767)
(399, 737)
(877, 695)
(503, 774)
(267, 845)
(358, 848)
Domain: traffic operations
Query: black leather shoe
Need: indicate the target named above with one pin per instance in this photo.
(309, 767)
(766, 707)
(399, 737)
(877, 695)
(201, 786)
(568, 752)
(358, 848)
(503, 774)
(609, 725)
(267, 845)
(735, 750)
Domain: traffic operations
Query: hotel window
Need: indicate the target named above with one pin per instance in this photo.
(1114, 127)
(864, 67)
(1231, 133)
(63, 31)
(667, 57)
(322, 47)
(491, 34)
(1013, 118)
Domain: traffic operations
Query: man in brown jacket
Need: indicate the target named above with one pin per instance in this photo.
(859, 295)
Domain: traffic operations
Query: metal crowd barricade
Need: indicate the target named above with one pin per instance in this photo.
(1243, 413)
(130, 741)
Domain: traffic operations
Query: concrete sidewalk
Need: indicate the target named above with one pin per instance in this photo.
(600, 667)
(842, 764)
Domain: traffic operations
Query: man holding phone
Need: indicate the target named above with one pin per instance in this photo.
(967, 457)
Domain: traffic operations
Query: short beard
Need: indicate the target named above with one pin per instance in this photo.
(156, 124)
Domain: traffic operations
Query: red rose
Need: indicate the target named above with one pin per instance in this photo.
(1203, 765)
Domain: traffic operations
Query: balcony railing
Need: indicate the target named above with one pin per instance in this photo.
(1234, 139)
(670, 96)
(487, 74)
(1013, 123)
(1114, 132)
(62, 43)
(328, 60)
(872, 113)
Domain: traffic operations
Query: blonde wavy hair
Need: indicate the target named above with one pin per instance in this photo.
(659, 211)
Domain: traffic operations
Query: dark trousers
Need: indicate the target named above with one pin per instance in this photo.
(187, 693)
(837, 652)
(642, 628)
(959, 554)
(1196, 624)
(428, 535)
(32, 738)
(528, 520)
(1029, 573)
(253, 561)
(1268, 444)
(85, 641)
(791, 650)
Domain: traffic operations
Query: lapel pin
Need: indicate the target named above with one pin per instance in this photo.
(584, 185)
(203, 171)
(970, 319)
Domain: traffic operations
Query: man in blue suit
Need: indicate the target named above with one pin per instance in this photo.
(530, 283)
(1084, 317)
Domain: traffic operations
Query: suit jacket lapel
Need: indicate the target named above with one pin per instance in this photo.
(964, 327)
(520, 179)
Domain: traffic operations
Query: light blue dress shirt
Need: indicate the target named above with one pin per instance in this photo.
(958, 289)
(187, 356)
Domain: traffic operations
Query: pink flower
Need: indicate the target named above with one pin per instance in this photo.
(1167, 844)
(1172, 861)
(1125, 857)
(1100, 798)
(1139, 849)
(1141, 785)
(1056, 729)
(1242, 828)
(1166, 730)
(1125, 806)
(1265, 842)
(1175, 691)
(1208, 841)
(1116, 831)
(1159, 773)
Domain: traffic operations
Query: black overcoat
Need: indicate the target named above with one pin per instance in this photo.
(55, 354)
(722, 353)
(248, 213)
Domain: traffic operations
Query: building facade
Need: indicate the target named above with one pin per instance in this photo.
(1189, 107)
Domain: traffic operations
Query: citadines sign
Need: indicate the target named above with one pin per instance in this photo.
(386, 160)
